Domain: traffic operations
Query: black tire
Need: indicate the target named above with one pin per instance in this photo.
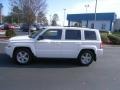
(22, 60)
(83, 60)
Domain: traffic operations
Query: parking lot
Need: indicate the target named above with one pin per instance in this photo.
(62, 74)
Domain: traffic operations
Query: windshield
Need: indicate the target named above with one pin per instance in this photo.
(36, 33)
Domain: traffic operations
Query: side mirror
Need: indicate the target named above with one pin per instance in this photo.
(40, 38)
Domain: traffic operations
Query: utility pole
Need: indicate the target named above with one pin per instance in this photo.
(29, 32)
(50, 19)
(95, 9)
(1, 6)
(64, 17)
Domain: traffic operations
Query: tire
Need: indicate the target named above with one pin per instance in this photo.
(22, 56)
(86, 57)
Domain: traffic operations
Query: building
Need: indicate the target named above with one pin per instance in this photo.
(104, 21)
(117, 25)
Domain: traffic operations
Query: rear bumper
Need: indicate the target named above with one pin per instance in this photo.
(99, 52)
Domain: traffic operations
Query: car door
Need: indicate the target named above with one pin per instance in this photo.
(50, 44)
(72, 43)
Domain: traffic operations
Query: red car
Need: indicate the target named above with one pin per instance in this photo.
(9, 26)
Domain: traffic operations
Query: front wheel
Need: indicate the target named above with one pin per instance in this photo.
(86, 58)
(22, 56)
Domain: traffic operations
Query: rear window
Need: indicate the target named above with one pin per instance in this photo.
(90, 35)
(73, 35)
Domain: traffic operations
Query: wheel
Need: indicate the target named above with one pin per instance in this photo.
(22, 56)
(86, 58)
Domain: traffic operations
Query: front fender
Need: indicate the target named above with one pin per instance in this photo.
(25, 45)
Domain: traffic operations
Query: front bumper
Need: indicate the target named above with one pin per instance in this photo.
(9, 51)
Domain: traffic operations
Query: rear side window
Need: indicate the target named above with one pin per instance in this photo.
(73, 35)
(90, 35)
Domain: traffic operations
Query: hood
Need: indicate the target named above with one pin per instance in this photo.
(20, 38)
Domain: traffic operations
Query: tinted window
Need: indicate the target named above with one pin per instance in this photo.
(52, 34)
(90, 35)
(73, 35)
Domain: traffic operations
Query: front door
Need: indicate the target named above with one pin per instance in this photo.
(50, 44)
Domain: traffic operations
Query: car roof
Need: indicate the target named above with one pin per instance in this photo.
(75, 28)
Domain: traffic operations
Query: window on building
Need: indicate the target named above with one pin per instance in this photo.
(73, 35)
(52, 34)
(78, 24)
(92, 25)
(103, 26)
(90, 35)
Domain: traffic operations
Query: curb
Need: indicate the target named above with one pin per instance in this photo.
(3, 41)
(111, 46)
(4, 37)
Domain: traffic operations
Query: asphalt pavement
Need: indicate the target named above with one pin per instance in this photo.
(62, 74)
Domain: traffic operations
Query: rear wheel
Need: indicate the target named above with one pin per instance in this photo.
(86, 58)
(22, 56)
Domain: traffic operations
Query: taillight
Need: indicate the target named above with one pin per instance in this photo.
(101, 45)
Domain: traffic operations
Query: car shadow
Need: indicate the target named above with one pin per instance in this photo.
(5, 61)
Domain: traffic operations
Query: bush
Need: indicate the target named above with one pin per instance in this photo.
(114, 39)
(104, 37)
(116, 34)
(10, 33)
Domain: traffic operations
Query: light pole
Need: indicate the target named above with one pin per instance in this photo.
(86, 6)
(36, 18)
(50, 19)
(64, 17)
(1, 6)
(95, 9)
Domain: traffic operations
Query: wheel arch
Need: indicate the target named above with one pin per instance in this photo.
(88, 49)
(22, 47)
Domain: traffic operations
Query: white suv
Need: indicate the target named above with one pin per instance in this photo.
(83, 44)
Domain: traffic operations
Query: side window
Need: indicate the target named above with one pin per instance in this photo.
(73, 35)
(53, 34)
(90, 35)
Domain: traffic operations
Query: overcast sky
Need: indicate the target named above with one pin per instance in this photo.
(74, 6)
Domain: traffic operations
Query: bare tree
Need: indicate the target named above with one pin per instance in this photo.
(29, 8)
(42, 19)
(55, 18)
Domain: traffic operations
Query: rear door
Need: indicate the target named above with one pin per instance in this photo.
(72, 43)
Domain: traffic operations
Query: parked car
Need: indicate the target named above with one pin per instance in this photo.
(2, 26)
(17, 27)
(38, 26)
(9, 26)
(24, 27)
(83, 44)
